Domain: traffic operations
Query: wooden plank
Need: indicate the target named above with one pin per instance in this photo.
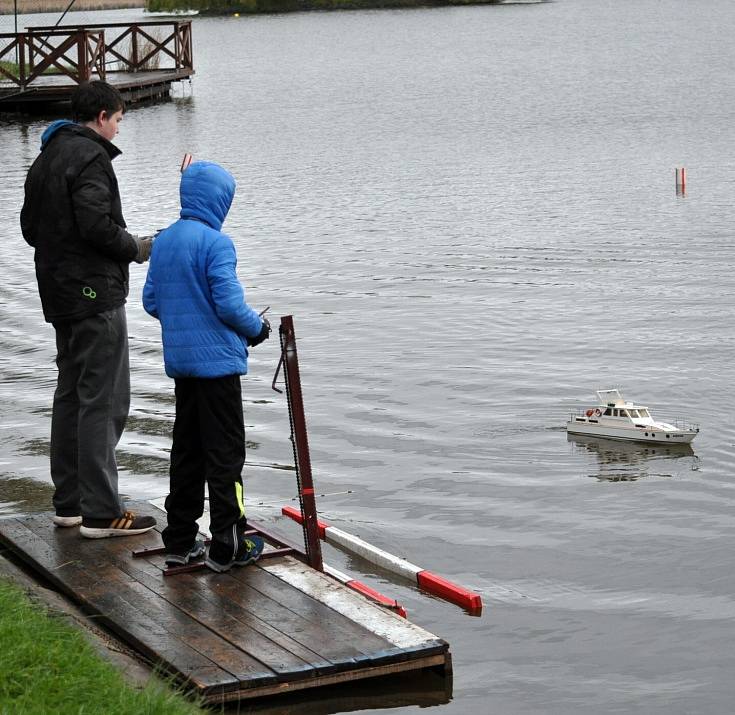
(248, 669)
(274, 627)
(306, 619)
(381, 621)
(64, 569)
(297, 614)
(132, 79)
(438, 662)
(95, 575)
(336, 642)
(285, 656)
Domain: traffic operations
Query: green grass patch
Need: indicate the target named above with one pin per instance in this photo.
(13, 68)
(48, 666)
(9, 67)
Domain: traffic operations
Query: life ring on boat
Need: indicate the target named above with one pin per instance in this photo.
(589, 413)
(597, 412)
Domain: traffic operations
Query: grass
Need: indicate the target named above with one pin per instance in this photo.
(48, 666)
(13, 68)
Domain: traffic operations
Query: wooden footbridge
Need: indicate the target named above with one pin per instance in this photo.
(43, 65)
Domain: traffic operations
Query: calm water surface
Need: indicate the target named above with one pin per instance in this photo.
(471, 214)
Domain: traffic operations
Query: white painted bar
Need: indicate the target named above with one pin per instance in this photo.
(371, 553)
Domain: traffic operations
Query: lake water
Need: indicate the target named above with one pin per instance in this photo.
(471, 214)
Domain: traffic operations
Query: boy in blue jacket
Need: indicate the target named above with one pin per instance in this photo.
(206, 325)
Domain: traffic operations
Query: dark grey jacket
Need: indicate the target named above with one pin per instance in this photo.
(73, 218)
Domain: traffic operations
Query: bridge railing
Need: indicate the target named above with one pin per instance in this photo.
(82, 52)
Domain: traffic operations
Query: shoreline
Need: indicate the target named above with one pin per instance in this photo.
(224, 7)
(33, 7)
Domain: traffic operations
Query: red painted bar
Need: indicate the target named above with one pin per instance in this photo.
(449, 591)
(391, 603)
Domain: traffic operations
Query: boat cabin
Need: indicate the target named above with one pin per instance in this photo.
(632, 412)
(613, 404)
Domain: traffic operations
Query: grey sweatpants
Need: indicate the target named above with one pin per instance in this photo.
(91, 405)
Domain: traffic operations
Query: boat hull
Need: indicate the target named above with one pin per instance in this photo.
(630, 434)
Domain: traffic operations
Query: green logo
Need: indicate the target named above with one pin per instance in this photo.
(87, 292)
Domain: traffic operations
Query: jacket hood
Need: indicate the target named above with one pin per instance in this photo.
(206, 193)
(51, 129)
(65, 126)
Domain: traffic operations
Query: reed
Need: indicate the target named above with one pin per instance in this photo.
(228, 7)
(125, 48)
(34, 6)
(144, 47)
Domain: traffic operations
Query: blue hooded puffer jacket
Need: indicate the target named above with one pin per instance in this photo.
(192, 285)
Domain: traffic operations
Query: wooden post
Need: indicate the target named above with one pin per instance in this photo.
(102, 56)
(82, 66)
(134, 48)
(21, 49)
(300, 443)
(31, 51)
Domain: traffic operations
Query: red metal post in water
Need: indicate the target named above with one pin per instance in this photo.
(290, 360)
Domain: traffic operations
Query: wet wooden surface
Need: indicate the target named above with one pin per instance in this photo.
(58, 87)
(267, 628)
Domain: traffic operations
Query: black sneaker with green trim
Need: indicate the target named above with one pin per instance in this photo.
(174, 558)
(249, 550)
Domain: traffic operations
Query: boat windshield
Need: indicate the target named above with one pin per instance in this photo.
(634, 413)
(644, 413)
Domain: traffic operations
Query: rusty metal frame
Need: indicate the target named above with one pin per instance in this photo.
(290, 362)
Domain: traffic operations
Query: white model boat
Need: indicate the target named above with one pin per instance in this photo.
(616, 418)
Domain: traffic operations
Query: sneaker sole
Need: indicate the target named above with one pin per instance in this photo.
(89, 532)
(67, 521)
(184, 560)
(224, 568)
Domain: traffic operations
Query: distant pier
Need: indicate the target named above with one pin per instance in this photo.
(43, 65)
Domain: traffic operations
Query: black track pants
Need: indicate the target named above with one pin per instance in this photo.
(208, 446)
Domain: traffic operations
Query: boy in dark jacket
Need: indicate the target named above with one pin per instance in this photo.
(73, 218)
(193, 289)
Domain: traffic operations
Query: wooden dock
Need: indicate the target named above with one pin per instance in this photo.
(43, 65)
(274, 627)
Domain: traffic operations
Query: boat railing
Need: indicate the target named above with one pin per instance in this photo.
(685, 425)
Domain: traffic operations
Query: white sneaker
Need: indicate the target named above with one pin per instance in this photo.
(67, 520)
